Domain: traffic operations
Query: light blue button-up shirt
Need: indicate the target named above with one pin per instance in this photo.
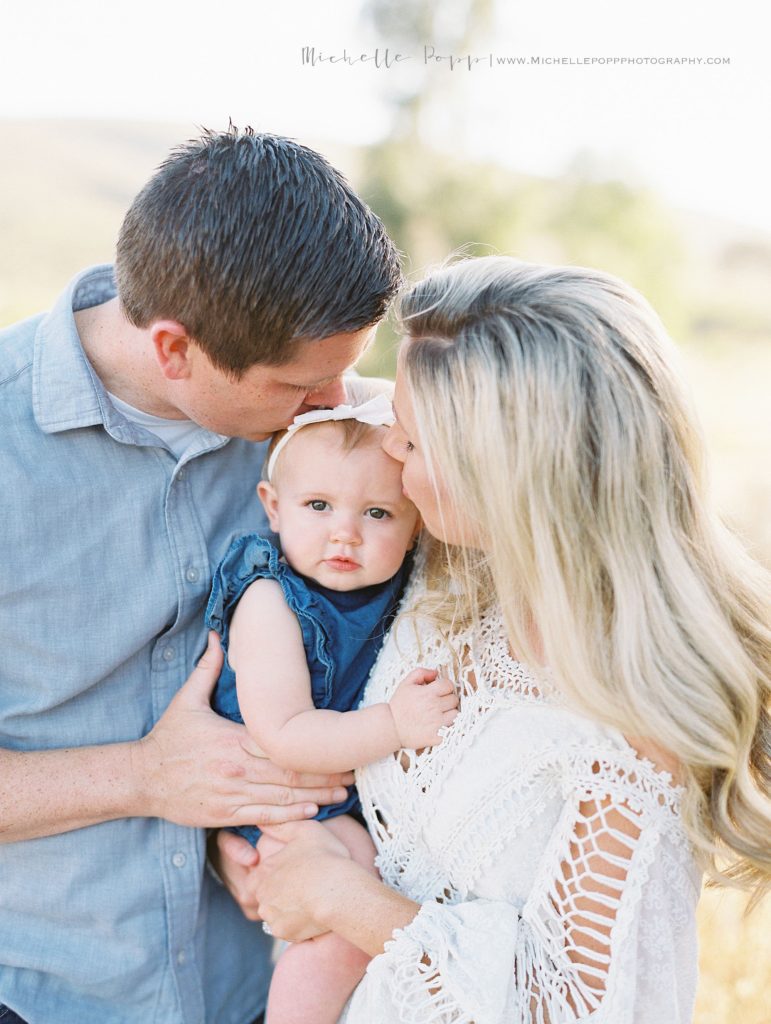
(107, 548)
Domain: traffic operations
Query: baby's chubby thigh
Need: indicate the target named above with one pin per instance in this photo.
(355, 838)
(313, 980)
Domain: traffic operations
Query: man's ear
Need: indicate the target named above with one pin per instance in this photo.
(172, 346)
(267, 494)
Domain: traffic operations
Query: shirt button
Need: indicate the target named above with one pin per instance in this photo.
(192, 575)
(179, 860)
(168, 654)
(181, 958)
(180, 474)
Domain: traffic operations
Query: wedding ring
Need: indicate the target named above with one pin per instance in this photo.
(266, 928)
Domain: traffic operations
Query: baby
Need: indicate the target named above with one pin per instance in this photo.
(301, 629)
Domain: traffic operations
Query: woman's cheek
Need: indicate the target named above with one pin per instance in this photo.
(411, 491)
(425, 501)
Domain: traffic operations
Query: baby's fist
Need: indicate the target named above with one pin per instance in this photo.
(423, 702)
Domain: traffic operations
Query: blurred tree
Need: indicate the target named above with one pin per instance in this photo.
(435, 202)
(625, 230)
(409, 24)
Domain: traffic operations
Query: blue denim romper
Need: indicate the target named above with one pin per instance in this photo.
(342, 633)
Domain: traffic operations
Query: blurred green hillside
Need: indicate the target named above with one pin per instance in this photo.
(64, 188)
(65, 185)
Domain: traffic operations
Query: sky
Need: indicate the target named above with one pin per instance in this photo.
(696, 132)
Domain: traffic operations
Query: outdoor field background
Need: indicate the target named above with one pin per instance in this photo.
(64, 186)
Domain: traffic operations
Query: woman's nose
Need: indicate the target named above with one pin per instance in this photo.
(390, 443)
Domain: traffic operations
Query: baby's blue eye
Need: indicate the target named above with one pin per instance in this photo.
(378, 513)
(318, 505)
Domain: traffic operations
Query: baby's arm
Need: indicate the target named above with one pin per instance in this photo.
(274, 694)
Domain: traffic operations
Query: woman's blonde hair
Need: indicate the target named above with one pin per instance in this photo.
(548, 405)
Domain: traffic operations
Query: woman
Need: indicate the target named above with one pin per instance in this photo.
(543, 862)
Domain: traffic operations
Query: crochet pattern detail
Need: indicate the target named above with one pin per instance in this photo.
(555, 881)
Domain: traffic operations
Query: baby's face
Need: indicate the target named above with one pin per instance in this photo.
(342, 516)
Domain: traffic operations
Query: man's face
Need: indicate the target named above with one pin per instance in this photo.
(267, 398)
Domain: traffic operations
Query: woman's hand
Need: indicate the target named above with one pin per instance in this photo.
(295, 885)
(312, 886)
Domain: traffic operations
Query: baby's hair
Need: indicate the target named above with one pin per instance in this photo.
(353, 433)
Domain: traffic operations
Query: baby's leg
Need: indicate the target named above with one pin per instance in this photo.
(313, 980)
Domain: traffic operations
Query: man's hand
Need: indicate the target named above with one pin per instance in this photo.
(422, 704)
(196, 768)
(235, 861)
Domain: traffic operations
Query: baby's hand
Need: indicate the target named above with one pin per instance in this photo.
(422, 704)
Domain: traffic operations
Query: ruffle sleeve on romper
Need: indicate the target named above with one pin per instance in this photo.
(252, 557)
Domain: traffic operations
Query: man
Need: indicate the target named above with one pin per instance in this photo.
(249, 278)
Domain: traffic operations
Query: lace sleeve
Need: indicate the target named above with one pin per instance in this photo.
(571, 953)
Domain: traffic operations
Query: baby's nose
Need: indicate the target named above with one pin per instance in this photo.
(345, 531)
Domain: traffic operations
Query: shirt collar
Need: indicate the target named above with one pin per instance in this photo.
(66, 392)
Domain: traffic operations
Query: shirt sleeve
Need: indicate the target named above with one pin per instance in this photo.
(569, 955)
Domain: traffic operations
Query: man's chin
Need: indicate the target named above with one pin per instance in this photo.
(256, 437)
(265, 434)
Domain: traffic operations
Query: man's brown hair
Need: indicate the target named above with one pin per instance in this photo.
(253, 243)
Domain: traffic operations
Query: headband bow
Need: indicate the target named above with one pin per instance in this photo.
(378, 412)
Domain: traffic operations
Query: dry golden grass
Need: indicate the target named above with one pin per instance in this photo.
(731, 388)
(735, 961)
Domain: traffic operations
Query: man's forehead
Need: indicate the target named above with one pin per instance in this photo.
(318, 354)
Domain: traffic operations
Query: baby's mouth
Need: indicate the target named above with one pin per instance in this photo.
(341, 563)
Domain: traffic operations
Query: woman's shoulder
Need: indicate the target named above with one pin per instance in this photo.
(526, 721)
(594, 766)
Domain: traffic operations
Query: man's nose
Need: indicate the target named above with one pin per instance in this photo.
(329, 395)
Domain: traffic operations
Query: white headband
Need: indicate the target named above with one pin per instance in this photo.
(378, 412)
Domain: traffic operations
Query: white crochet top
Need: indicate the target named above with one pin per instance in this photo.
(535, 905)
